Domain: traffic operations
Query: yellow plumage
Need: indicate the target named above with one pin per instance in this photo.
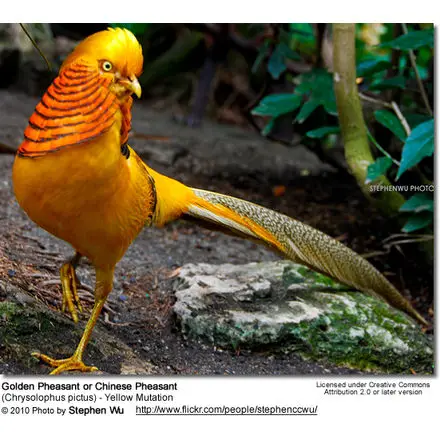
(75, 176)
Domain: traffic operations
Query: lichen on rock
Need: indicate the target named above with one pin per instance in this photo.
(281, 306)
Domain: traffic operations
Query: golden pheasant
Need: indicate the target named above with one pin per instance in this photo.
(76, 177)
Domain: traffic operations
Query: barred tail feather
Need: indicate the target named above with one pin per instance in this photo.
(297, 241)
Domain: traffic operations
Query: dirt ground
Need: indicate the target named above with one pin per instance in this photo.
(219, 158)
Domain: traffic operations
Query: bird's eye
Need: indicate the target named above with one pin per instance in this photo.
(107, 66)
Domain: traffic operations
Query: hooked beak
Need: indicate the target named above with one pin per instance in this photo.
(132, 84)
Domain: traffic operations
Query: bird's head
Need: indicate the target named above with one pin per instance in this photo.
(116, 54)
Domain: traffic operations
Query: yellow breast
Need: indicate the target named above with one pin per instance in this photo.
(89, 195)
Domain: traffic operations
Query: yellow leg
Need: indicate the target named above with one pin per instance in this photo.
(104, 283)
(69, 283)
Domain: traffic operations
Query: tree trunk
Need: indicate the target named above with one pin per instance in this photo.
(357, 149)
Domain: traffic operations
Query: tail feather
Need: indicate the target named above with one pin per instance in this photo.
(299, 242)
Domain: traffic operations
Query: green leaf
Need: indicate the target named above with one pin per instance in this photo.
(391, 121)
(306, 110)
(417, 203)
(331, 108)
(302, 32)
(316, 87)
(276, 105)
(369, 67)
(276, 65)
(316, 82)
(321, 132)
(424, 56)
(261, 55)
(268, 127)
(420, 144)
(396, 82)
(378, 168)
(412, 40)
(418, 221)
(288, 52)
(277, 61)
(415, 119)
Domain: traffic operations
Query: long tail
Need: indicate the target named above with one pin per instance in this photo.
(299, 242)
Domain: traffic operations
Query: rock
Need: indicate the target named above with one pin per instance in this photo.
(22, 64)
(281, 306)
(219, 151)
(160, 152)
(212, 151)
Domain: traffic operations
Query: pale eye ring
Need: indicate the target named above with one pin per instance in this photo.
(107, 66)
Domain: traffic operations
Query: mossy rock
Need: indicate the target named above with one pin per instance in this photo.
(283, 307)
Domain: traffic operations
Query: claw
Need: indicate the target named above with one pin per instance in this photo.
(74, 363)
(104, 284)
(69, 283)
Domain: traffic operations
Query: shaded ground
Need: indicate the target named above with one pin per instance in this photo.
(220, 158)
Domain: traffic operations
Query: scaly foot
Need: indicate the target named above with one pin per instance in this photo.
(74, 363)
(70, 283)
